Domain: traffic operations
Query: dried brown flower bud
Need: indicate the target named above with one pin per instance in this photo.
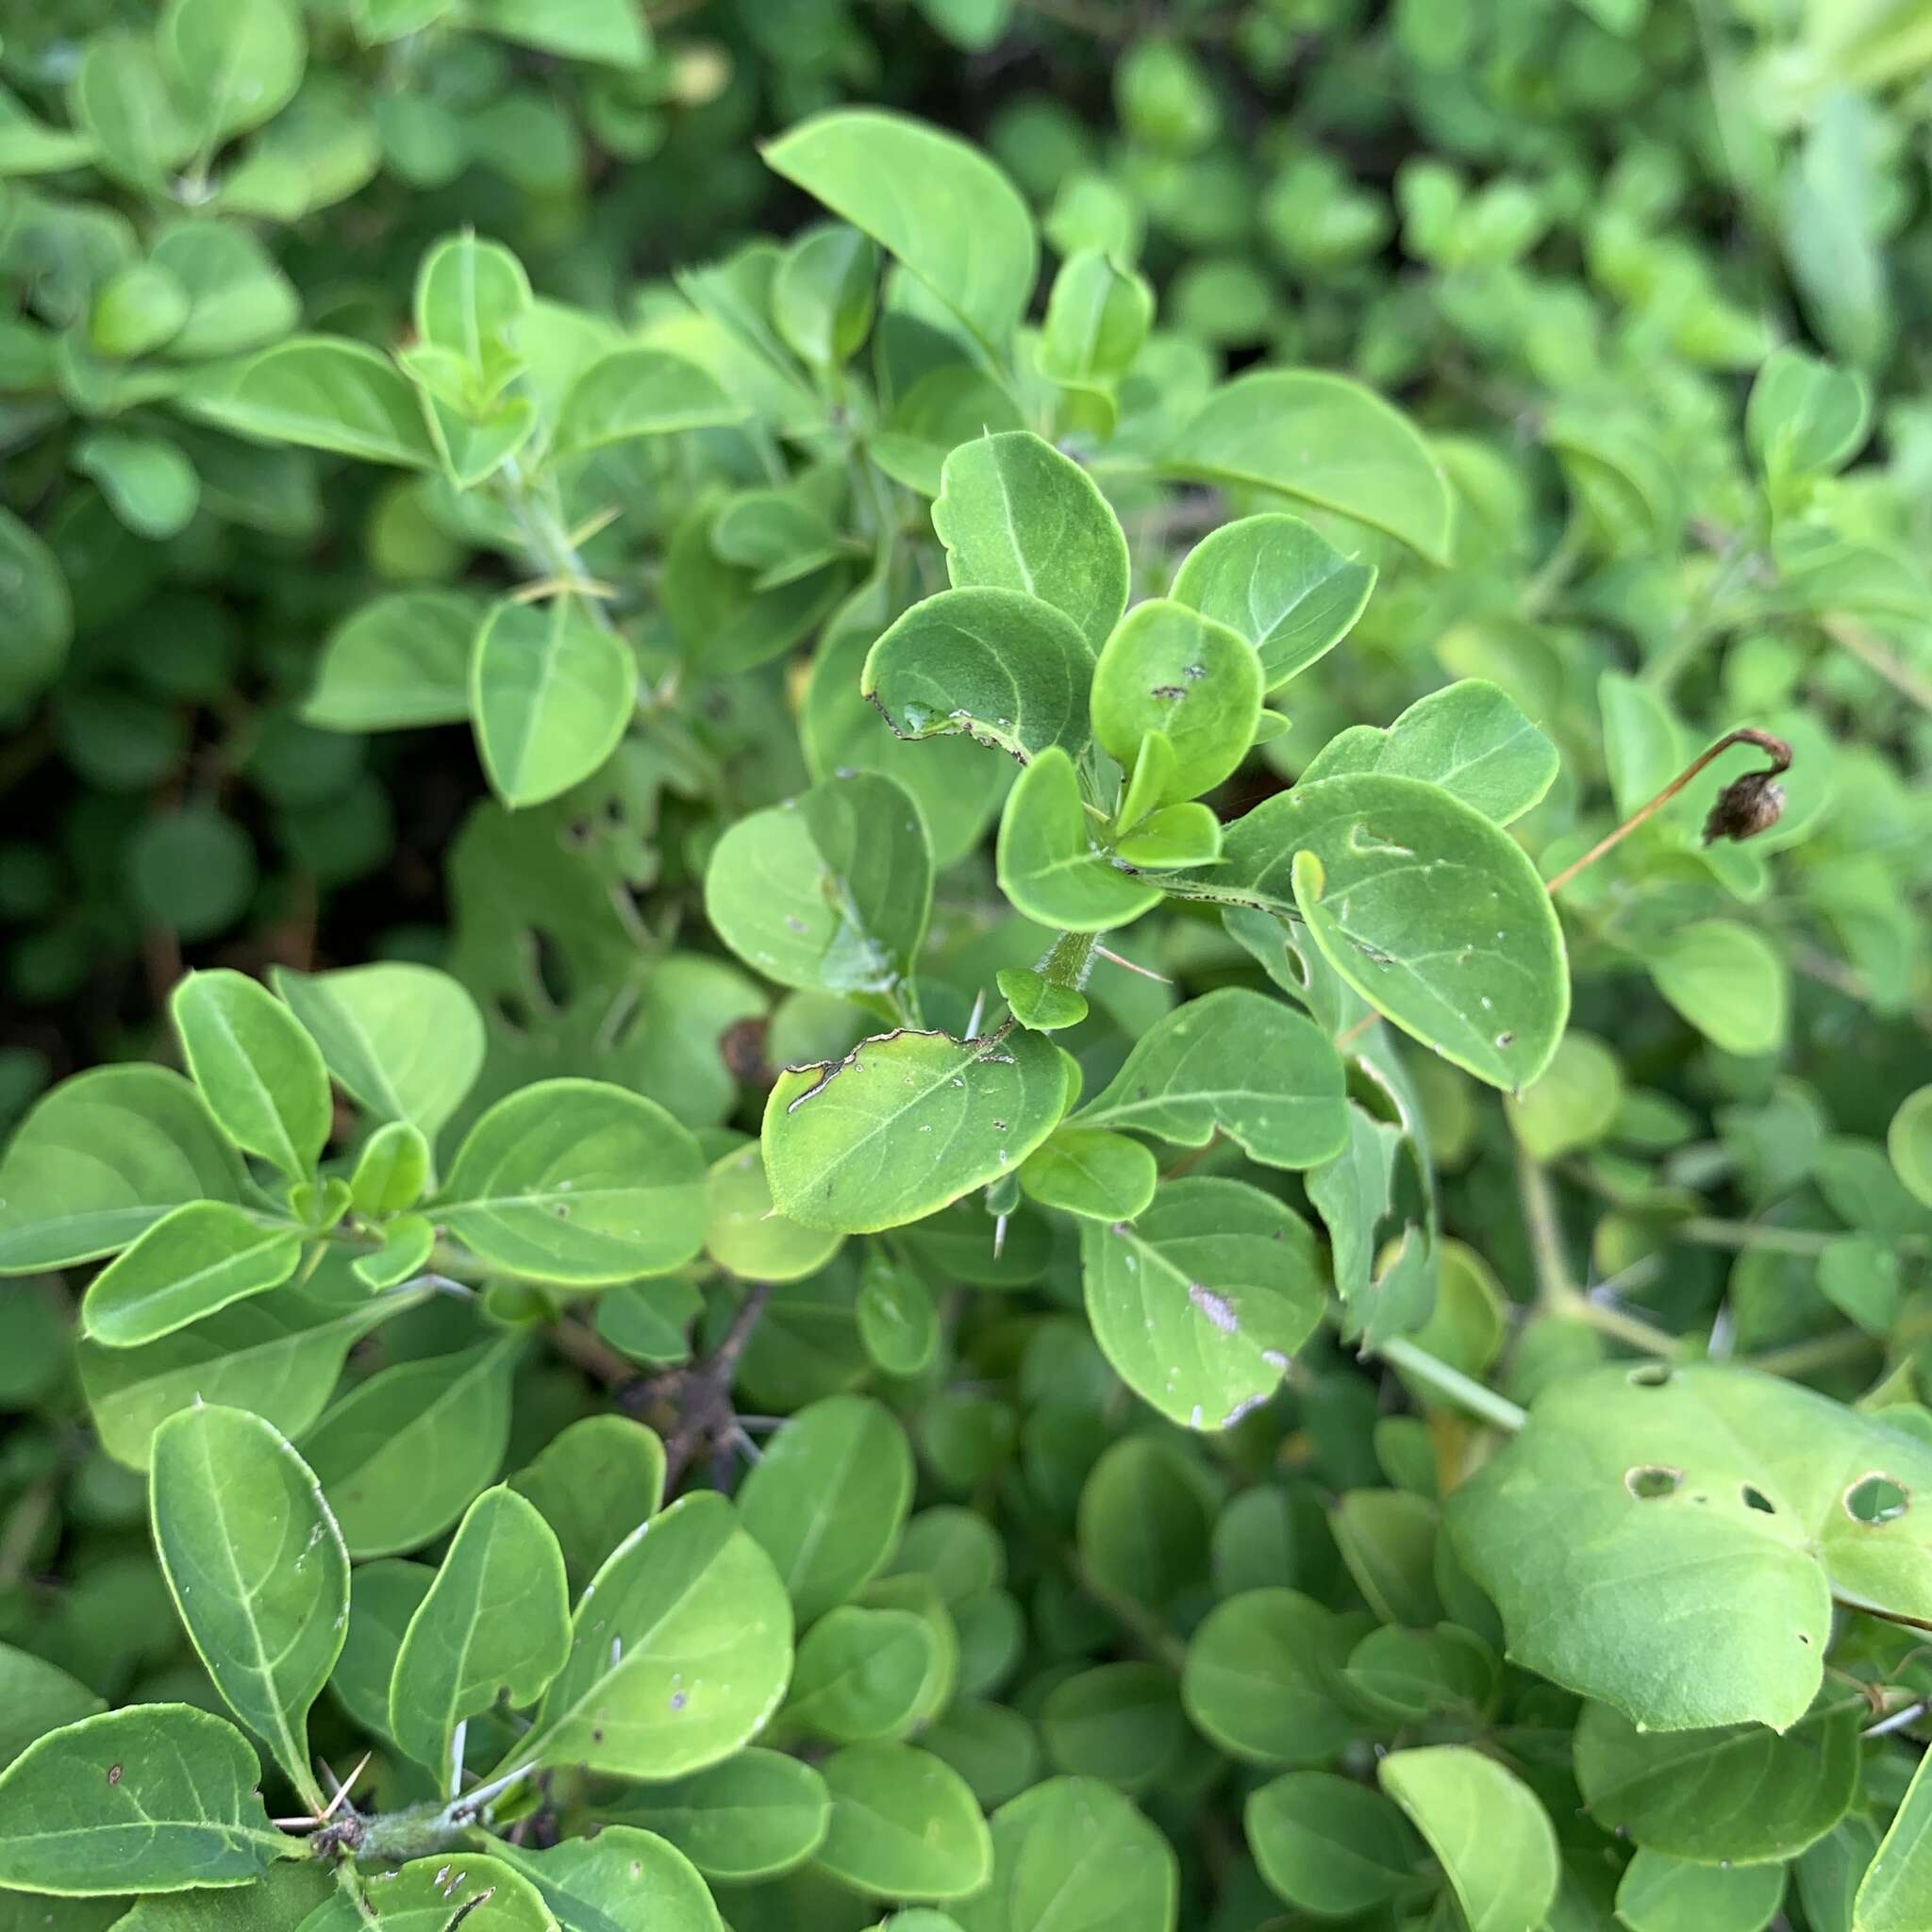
(1745, 807)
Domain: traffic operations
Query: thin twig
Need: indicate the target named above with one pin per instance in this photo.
(705, 1395)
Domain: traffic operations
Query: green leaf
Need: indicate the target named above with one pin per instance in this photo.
(1494, 1839)
(239, 62)
(906, 1122)
(435, 1893)
(617, 1881)
(1121, 1721)
(859, 1675)
(1908, 1140)
(1737, 1795)
(1329, 1845)
(613, 32)
(279, 1359)
(1649, 1514)
(121, 99)
(495, 1624)
(150, 485)
(256, 1568)
(1235, 1061)
(407, 1042)
(285, 1897)
(635, 392)
(383, 1597)
(1050, 867)
(400, 1457)
(1574, 1102)
(1470, 737)
(1091, 1172)
(391, 1172)
(898, 1321)
(259, 1072)
(748, 1236)
(933, 201)
(829, 891)
(680, 1650)
(1097, 318)
(470, 294)
(826, 292)
(755, 1816)
(1168, 669)
(1200, 1300)
(904, 1825)
(1805, 418)
(1726, 979)
(1072, 1852)
(400, 660)
(1005, 667)
(1015, 514)
(192, 1261)
(238, 298)
(1388, 1540)
(103, 1158)
(550, 690)
(1143, 1520)
(325, 391)
(1896, 1890)
(1279, 583)
(594, 1484)
(36, 1697)
(37, 608)
(1263, 1677)
(159, 1797)
(829, 1499)
(579, 1182)
(1326, 441)
(1422, 906)
(1658, 1893)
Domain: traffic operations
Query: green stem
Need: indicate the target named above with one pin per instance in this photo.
(1068, 962)
(1553, 1289)
(1464, 1391)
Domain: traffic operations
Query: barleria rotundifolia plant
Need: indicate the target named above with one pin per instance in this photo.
(1024, 1234)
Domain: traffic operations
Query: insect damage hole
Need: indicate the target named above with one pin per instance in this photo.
(1757, 1499)
(1875, 1498)
(1650, 1480)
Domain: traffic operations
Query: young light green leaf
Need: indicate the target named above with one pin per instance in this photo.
(1088, 1171)
(1908, 1140)
(904, 1825)
(550, 690)
(1074, 1844)
(906, 1122)
(636, 391)
(391, 1171)
(580, 1182)
(1492, 1836)
(198, 1259)
(1422, 905)
(823, 296)
(1168, 669)
(494, 1625)
(260, 1073)
(1240, 1063)
(1038, 1001)
(1049, 865)
(101, 1160)
(1329, 1845)
(1281, 584)
(1005, 667)
(933, 201)
(405, 1041)
(326, 392)
(159, 1797)
(618, 1880)
(1200, 1302)
(1097, 317)
(829, 891)
(827, 1499)
(747, 1235)
(681, 1651)
(1017, 515)
(1326, 441)
(400, 1457)
(1664, 1504)
(594, 1484)
(399, 661)
(258, 1571)
(470, 294)
(757, 1815)
(1468, 738)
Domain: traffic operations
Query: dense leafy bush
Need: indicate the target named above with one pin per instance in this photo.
(1014, 1028)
